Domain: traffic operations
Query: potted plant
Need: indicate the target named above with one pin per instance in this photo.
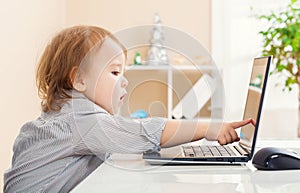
(281, 39)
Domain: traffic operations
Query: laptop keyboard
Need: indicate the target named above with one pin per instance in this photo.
(207, 151)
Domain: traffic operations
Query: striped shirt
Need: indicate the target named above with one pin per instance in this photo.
(58, 150)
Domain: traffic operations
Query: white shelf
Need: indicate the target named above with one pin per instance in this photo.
(177, 67)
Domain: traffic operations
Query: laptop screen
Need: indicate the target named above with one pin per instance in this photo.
(254, 100)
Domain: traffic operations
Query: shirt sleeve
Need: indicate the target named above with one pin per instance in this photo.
(99, 133)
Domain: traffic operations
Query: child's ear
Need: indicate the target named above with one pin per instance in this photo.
(77, 80)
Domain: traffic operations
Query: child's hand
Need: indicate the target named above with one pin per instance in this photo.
(228, 133)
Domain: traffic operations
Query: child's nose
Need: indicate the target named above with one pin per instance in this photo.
(124, 82)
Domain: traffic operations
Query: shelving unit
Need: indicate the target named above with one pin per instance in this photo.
(166, 75)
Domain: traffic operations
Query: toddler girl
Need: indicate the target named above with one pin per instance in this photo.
(81, 84)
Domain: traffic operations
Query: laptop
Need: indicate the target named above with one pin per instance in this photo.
(235, 153)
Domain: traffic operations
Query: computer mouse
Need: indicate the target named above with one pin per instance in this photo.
(271, 158)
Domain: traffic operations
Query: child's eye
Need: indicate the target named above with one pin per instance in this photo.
(116, 73)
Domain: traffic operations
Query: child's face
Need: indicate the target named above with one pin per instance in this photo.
(105, 81)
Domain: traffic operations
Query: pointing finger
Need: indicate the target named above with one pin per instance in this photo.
(239, 124)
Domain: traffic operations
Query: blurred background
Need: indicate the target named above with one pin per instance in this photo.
(228, 29)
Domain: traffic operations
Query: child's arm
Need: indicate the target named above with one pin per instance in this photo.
(180, 131)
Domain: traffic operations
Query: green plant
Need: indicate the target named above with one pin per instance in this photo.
(282, 40)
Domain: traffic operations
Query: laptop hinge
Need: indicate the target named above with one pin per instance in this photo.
(246, 146)
(241, 150)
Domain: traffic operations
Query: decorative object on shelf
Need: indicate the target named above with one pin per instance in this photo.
(157, 54)
(139, 114)
(137, 59)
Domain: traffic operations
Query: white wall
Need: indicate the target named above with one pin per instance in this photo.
(235, 42)
(25, 28)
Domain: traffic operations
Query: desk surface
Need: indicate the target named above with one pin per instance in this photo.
(129, 173)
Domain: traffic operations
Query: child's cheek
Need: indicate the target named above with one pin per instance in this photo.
(104, 92)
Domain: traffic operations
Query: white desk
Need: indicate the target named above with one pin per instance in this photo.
(129, 173)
